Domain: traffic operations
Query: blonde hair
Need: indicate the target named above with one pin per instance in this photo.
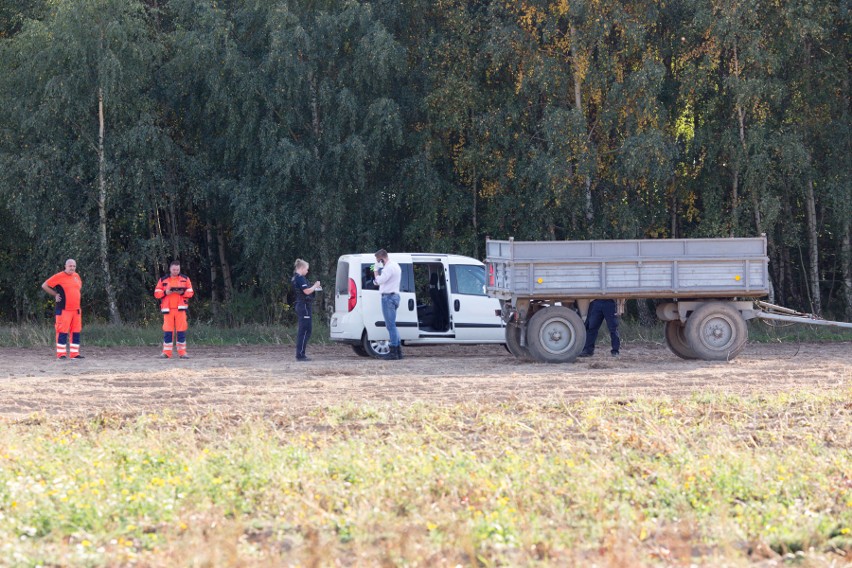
(300, 264)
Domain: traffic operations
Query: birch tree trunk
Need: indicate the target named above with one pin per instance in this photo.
(114, 316)
(813, 246)
(846, 245)
(846, 260)
(734, 199)
(171, 215)
(473, 204)
(214, 276)
(226, 269)
(735, 189)
(646, 316)
(578, 104)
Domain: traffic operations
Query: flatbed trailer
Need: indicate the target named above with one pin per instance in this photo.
(707, 289)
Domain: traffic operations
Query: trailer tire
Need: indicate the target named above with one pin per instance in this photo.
(676, 340)
(513, 342)
(555, 335)
(716, 332)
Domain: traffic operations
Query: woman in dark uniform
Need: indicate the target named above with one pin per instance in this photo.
(304, 300)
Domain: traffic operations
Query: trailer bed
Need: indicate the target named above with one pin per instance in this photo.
(665, 268)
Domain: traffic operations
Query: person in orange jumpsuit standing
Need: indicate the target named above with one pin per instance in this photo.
(65, 288)
(174, 291)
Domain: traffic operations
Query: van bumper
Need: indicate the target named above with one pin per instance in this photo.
(346, 328)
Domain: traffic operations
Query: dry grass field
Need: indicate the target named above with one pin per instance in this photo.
(267, 379)
(454, 456)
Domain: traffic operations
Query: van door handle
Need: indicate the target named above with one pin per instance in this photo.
(457, 305)
(410, 305)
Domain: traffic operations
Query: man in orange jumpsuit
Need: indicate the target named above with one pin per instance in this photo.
(174, 291)
(65, 288)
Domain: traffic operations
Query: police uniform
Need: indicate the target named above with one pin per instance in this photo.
(174, 307)
(600, 310)
(68, 315)
(304, 305)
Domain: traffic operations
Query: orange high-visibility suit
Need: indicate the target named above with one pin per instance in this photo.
(174, 306)
(68, 315)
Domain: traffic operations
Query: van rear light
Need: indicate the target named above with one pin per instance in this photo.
(490, 274)
(353, 295)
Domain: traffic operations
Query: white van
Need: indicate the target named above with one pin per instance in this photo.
(442, 300)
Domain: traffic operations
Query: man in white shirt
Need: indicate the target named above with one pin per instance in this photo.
(387, 274)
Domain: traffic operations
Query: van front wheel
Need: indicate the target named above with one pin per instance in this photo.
(380, 349)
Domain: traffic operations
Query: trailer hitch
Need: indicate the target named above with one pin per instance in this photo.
(767, 311)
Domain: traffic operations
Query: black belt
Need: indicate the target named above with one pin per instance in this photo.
(390, 294)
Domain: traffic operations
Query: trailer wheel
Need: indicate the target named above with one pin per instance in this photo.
(676, 340)
(513, 342)
(379, 349)
(360, 351)
(555, 335)
(716, 332)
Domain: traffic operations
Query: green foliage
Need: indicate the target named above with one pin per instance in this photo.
(240, 136)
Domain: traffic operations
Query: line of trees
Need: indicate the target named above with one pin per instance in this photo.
(238, 135)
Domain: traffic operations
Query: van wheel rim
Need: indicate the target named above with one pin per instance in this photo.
(381, 347)
(557, 336)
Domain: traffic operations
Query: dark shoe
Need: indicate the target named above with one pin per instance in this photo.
(62, 357)
(394, 353)
(79, 357)
(399, 351)
(615, 354)
(184, 356)
(164, 356)
(303, 359)
(585, 354)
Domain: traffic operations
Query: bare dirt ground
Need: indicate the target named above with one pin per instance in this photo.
(267, 379)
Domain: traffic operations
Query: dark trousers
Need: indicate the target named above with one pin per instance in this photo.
(303, 312)
(601, 310)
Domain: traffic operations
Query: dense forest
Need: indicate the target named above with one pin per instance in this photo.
(239, 135)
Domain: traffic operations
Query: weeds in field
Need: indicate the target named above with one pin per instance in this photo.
(758, 332)
(713, 480)
(105, 335)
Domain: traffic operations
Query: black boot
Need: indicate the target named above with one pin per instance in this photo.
(394, 353)
(399, 351)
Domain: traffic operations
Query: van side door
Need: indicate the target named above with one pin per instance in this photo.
(476, 317)
(406, 314)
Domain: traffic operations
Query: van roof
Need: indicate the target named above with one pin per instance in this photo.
(418, 255)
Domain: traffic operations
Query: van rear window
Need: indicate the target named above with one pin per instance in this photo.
(341, 282)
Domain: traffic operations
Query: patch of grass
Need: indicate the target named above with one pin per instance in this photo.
(106, 335)
(758, 332)
(715, 479)
(774, 332)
